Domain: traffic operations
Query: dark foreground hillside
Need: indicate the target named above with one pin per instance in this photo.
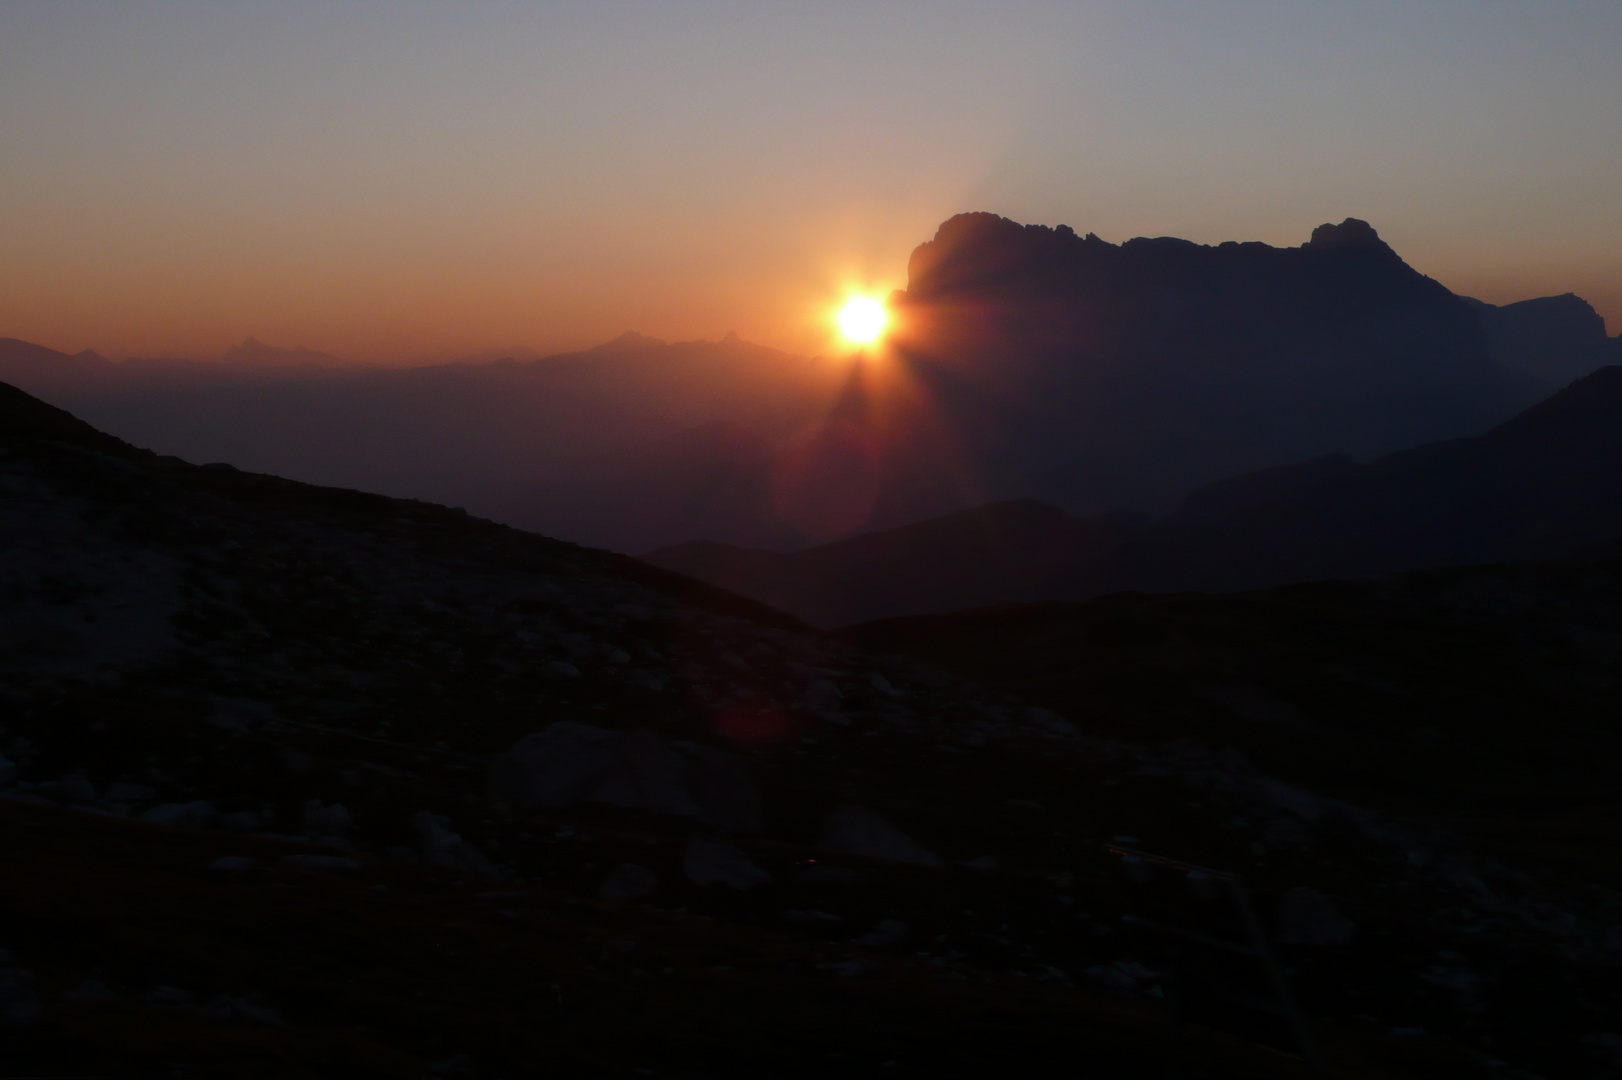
(305, 782)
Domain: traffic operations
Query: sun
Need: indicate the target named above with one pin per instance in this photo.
(862, 320)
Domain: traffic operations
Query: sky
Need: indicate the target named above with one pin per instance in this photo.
(407, 181)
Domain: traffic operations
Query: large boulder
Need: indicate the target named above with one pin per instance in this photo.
(714, 862)
(859, 831)
(569, 764)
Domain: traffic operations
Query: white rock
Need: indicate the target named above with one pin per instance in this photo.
(192, 815)
(628, 882)
(860, 831)
(712, 862)
(438, 844)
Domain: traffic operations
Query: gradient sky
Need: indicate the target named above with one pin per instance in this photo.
(412, 180)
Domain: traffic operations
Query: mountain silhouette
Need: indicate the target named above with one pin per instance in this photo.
(1553, 339)
(1094, 375)
(1027, 363)
(255, 353)
(1546, 484)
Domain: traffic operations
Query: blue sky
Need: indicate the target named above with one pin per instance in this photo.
(405, 180)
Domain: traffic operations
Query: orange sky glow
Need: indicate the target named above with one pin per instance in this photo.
(418, 182)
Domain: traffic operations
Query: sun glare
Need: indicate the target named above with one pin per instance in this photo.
(862, 320)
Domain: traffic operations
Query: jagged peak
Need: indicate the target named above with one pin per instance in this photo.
(1349, 234)
(629, 341)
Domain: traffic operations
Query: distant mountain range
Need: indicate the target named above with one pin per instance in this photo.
(1027, 363)
(1546, 484)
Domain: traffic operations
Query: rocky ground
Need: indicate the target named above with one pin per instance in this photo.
(301, 781)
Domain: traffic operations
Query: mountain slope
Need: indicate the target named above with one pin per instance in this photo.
(259, 788)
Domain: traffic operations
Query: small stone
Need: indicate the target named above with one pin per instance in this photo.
(1047, 722)
(331, 863)
(438, 844)
(821, 695)
(192, 815)
(816, 876)
(167, 997)
(90, 990)
(628, 882)
(886, 933)
(810, 917)
(885, 687)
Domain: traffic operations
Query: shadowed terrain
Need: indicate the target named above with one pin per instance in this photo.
(1545, 484)
(303, 781)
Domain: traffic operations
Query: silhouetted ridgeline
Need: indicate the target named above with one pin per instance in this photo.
(1546, 484)
(1128, 375)
(1031, 363)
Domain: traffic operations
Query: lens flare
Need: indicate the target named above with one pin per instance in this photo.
(862, 320)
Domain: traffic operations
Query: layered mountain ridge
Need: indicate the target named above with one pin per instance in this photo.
(1545, 484)
(1030, 363)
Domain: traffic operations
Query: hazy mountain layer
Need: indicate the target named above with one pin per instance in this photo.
(1031, 364)
(1545, 484)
